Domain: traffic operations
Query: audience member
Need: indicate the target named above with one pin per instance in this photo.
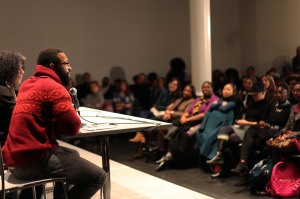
(106, 89)
(256, 136)
(251, 72)
(232, 76)
(291, 129)
(142, 95)
(177, 71)
(248, 82)
(95, 99)
(286, 71)
(218, 82)
(270, 86)
(161, 83)
(172, 115)
(31, 150)
(181, 150)
(84, 89)
(123, 99)
(234, 134)
(169, 95)
(221, 113)
(292, 80)
(296, 61)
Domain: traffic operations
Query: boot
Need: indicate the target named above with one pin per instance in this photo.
(242, 167)
(218, 158)
(163, 165)
(140, 152)
(139, 137)
(219, 174)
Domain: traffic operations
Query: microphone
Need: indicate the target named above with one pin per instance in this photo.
(73, 93)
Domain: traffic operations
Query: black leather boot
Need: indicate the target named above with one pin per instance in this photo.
(242, 167)
(218, 158)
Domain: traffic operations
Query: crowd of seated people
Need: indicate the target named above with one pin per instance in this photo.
(231, 114)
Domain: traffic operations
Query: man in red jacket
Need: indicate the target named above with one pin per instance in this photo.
(43, 109)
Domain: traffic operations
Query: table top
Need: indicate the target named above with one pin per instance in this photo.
(97, 122)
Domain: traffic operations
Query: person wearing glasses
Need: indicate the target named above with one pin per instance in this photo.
(44, 109)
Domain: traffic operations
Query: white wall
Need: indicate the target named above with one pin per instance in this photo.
(143, 35)
(262, 33)
(225, 34)
(99, 35)
(275, 33)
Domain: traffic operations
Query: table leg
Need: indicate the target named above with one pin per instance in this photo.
(105, 164)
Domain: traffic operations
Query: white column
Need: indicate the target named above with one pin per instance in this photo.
(200, 42)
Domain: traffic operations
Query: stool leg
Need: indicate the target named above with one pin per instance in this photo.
(44, 190)
(65, 190)
(33, 192)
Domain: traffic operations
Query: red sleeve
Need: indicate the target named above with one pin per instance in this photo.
(66, 119)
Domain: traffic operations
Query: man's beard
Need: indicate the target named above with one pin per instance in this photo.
(63, 75)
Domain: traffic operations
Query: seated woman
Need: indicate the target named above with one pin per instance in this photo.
(221, 113)
(123, 99)
(11, 74)
(167, 96)
(256, 112)
(165, 100)
(270, 86)
(172, 115)
(292, 127)
(256, 136)
(181, 149)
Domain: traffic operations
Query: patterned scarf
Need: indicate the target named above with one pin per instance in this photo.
(198, 105)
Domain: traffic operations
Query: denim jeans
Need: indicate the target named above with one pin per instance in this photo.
(86, 177)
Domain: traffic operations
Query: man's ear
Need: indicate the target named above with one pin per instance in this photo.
(51, 66)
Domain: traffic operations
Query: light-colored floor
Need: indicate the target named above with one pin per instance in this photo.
(127, 183)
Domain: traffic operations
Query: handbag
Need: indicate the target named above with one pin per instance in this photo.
(284, 145)
(260, 175)
(285, 180)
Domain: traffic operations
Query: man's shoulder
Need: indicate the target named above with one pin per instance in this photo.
(41, 87)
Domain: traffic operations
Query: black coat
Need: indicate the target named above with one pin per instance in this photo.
(7, 104)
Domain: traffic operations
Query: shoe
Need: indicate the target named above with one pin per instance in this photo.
(263, 192)
(139, 137)
(219, 174)
(140, 152)
(160, 160)
(162, 166)
(217, 159)
(242, 167)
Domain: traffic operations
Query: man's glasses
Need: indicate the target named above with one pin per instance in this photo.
(65, 63)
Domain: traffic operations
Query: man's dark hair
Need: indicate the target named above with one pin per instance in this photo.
(9, 67)
(48, 56)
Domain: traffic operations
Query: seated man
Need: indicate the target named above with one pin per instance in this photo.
(43, 109)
